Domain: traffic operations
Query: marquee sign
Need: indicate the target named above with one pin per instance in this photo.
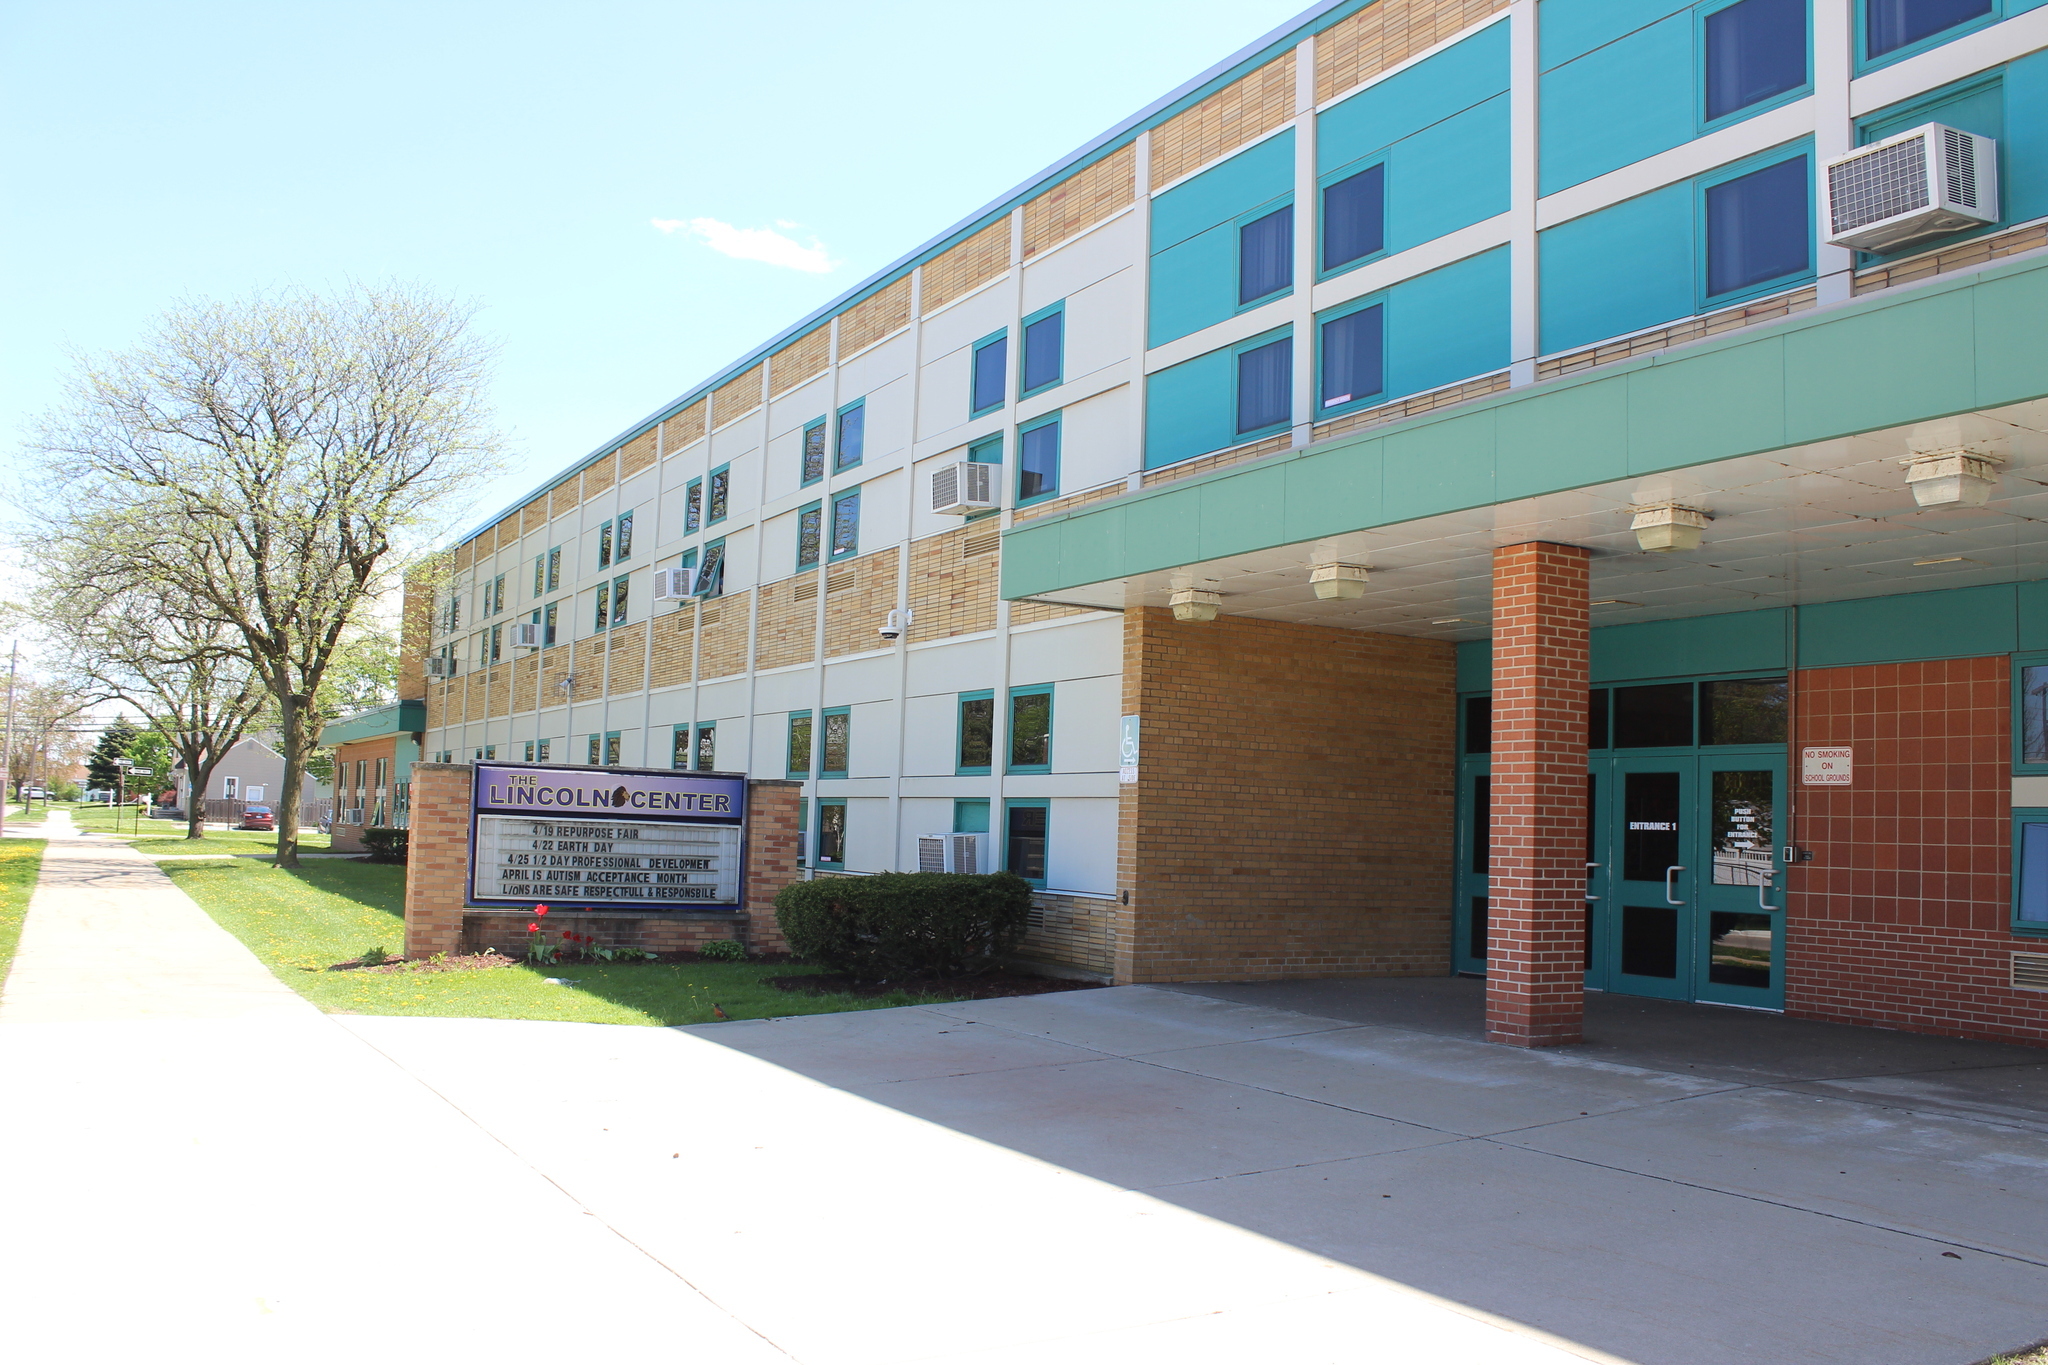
(638, 839)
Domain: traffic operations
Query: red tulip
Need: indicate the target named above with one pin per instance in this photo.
(533, 928)
(540, 909)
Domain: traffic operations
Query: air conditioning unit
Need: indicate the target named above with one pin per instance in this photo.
(1922, 183)
(671, 585)
(440, 666)
(352, 816)
(526, 635)
(958, 489)
(952, 853)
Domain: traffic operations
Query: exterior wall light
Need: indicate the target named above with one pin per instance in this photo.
(1194, 604)
(1339, 582)
(1959, 477)
(1666, 527)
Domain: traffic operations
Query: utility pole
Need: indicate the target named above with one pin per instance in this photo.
(7, 753)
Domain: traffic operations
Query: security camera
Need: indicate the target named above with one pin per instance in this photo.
(894, 624)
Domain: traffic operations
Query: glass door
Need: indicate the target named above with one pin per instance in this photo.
(1738, 931)
(1599, 870)
(1475, 840)
(1648, 902)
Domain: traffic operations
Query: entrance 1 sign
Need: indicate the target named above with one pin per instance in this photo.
(1826, 765)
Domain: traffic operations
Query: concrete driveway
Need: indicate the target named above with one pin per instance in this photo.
(202, 1166)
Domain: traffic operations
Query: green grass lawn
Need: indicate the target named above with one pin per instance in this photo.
(20, 860)
(302, 922)
(168, 836)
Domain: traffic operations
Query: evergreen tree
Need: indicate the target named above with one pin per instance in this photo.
(114, 741)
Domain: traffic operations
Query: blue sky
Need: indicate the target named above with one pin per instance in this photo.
(522, 155)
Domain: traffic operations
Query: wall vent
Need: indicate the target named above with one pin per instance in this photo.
(1925, 182)
(2030, 971)
(986, 543)
(806, 589)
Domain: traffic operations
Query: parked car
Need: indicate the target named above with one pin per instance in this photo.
(34, 794)
(258, 817)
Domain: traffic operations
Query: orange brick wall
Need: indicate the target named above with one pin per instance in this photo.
(1293, 812)
(437, 864)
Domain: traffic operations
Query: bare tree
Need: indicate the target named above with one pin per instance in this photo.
(271, 458)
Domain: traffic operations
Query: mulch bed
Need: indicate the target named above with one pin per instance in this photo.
(980, 986)
(471, 962)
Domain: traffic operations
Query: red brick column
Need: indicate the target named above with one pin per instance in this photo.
(1535, 924)
(773, 848)
(437, 859)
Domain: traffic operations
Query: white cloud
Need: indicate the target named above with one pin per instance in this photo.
(752, 244)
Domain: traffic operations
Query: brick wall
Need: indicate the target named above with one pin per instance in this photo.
(773, 848)
(1901, 919)
(1074, 931)
(437, 865)
(1292, 816)
(953, 582)
(858, 595)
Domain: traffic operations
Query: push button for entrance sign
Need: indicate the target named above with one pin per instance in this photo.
(1826, 766)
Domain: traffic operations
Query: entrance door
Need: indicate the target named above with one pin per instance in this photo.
(1739, 930)
(1651, 875)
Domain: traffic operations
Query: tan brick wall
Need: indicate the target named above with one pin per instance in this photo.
(1678, 334)
(416, 631)
(465, 555)
(562, 499)
(1077, 931)
(1220, 124)
(673, 636)
(867, 322)
(600, 477)
(499, 685)
(525, 674)
(773, 848)
(1296, 824)
(437, 865)
(1386, 34)
(1025, 613)
(1413, 406)
(586, 666)
(736, 397)
(858, 594)
(534, 515)
(684, 428)
(788, 632)
(1100, 493)
(1222, 459)
(724, 651)
(961, 270)
(627, 648)
(1080, 201)
(636, 454)
(1968, 255)
(804, 358)
(953, 582)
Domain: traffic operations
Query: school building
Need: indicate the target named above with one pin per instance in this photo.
(1556, 491)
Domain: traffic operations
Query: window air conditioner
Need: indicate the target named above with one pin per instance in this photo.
(440, 666)
(671, 585)
(951, 852)
(352, 816)
(526, 635)
(958, 489)
(1921, 183)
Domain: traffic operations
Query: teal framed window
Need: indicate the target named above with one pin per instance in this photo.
(846, 525)
(679, 747)
(707, 747)
(693, 507)
(1026, 828)
(493, 644)
(1265, 383)
(604, 546)
(529, 751)
(1038, 460)
(1888, 31)
(849, 444)
(555, 569)
(836, 741)
(543, 750)
(1265, 254)
(801, 726)
(711, 574)
(1756, 226)
(989, 451)
(611, 748)
(1043, 363)
(719, 500)
(989, 374)
(620, 586)
(810, 535)
(494, 596)
(623, 538)
(2030, 872)
(540, 574)
(1354, 216)
(970, 817)
(975, 747)
(814, 453)
(1351, 356)
(596, 750)
(2030, 713)
(1754, 55)
(1031, 729)
(832, 832)
(549, 619)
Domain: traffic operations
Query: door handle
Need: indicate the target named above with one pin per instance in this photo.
(1590, 868)
(1761, 888)
(1669, 873)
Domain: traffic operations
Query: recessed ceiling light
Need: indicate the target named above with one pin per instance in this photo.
(1454, 621)
(1946, 559)
(1614, 602)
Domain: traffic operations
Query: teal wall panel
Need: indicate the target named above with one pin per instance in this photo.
(1333, 491)
(1620, 103)
(1475, 665)
(1247, 180)
(1190, 409)
(1617, 270)
(1438, 466)
(2030, 612)
(1194, 237)
(1450, 175)
(1572, 28)
(2023, 156)
(1740, 642)
(1580, 438)
(1829, 374)
(1194, 285)
(1924, 625)
(1733, 397)
(1459, 77)
(2011, 347)
(1448, 325)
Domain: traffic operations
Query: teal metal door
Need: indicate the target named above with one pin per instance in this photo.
(1739, 928)
(1647, 936)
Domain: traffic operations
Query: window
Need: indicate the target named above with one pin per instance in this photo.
(707, 748)
(838, 738)
(1031, 729)
(555, 569)
(451, 615)
(970, 817)
(1656, 716)
(1754, 49)
(852, 442)
(494, 596)
(1759, 227)
(2029, 873)
(1749, 711)
(1355, 217)
(1038, 460)
(1265, 386)
(547, 747)
(604, 546)
(799, 744)
(721, 495)
(230, 788)
(679, 747)
(611, 749)
(846, 525)
(624, 537)
(711, 577)
(496, 644)
(810, 535)
(977, 737)
(604, 607)
(1265, 256)
(2030, 718)
(814, 452)
(990, 374)
(1024, 839)
(619, 586)
(1354, 352)
(1044, 344)
(596, 749)
(1889, 25)
(986, 452)
(693, 507)
(832, 833)
(529, 751)
(547, 622)
(540, 575)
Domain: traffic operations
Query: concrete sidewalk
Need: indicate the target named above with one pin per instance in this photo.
(1104, 1175)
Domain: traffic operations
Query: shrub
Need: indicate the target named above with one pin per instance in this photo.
(904, 923)
(722, 950)
(386, 845)
(376, 957)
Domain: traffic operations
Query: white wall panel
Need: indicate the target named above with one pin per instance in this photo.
(1095, 441)
(1081, 846)
(931, 735)
(1050, 277)
(1085, 720)
(860, 680)
(872, 749)
(963, 666)
(1083, 648)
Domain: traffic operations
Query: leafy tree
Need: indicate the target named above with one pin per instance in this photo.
(101, 770)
